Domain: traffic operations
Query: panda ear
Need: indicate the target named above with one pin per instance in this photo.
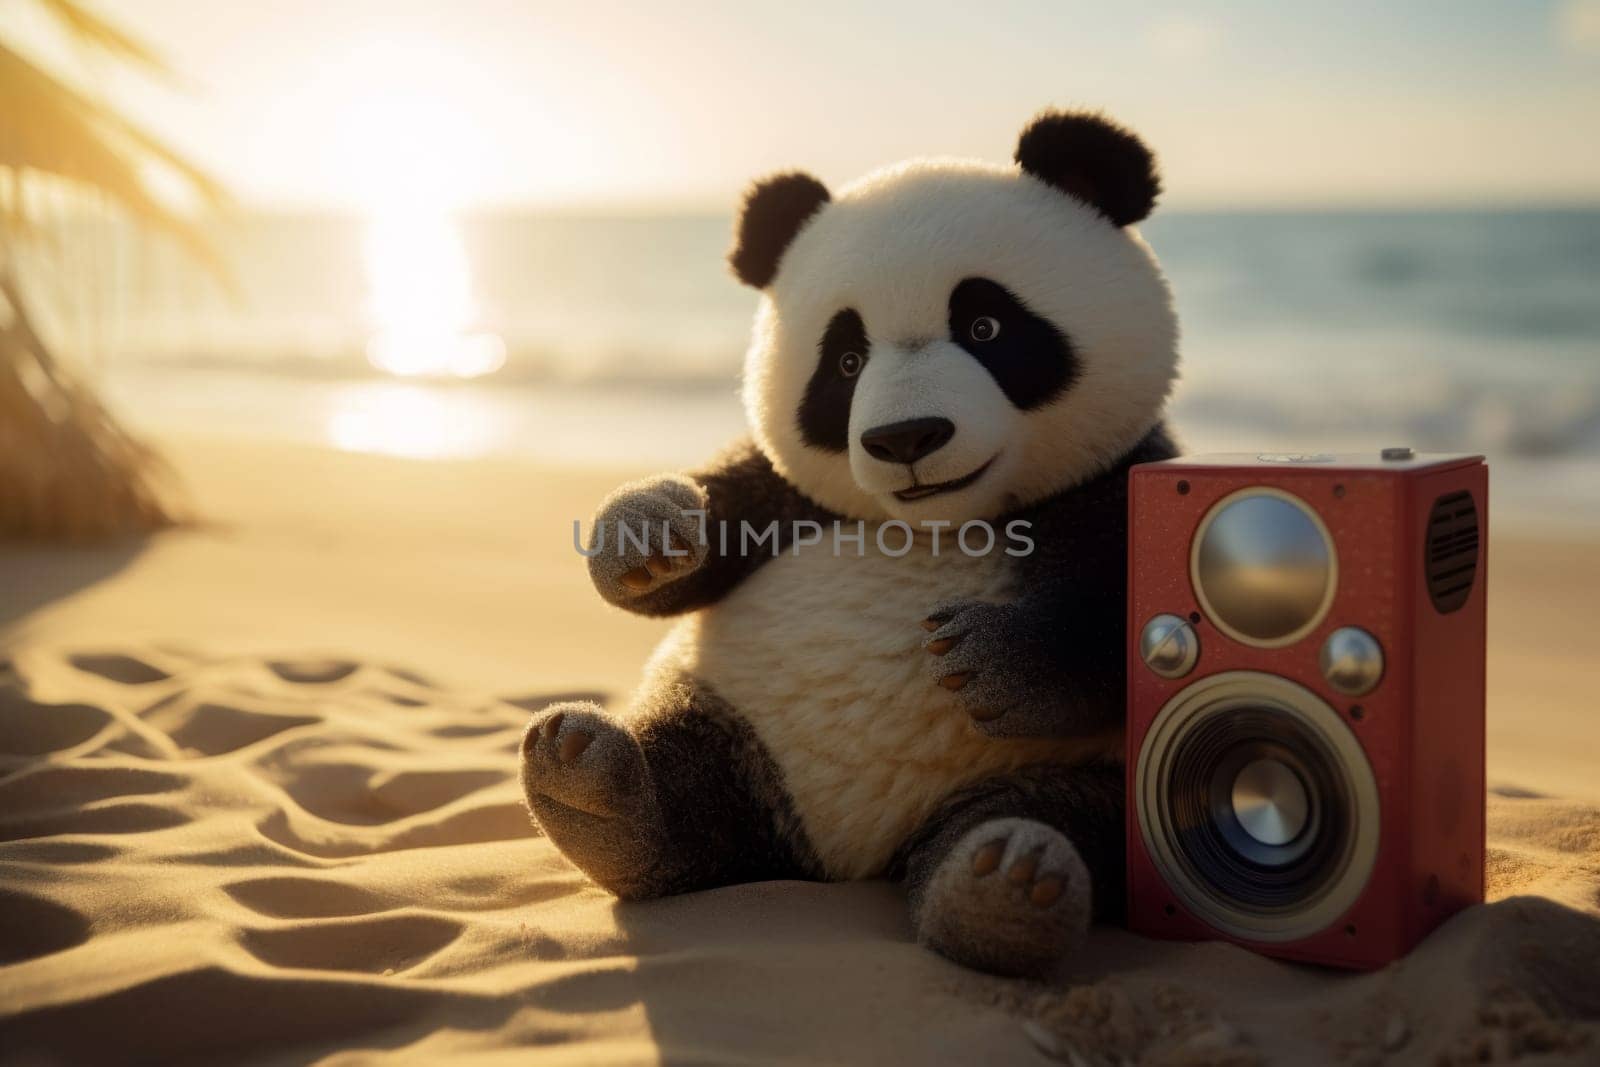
(1091, 158)
(774, 210)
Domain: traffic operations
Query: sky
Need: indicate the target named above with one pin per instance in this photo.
(342, 103)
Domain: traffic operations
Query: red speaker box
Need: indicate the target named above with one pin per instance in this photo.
(1306, 700)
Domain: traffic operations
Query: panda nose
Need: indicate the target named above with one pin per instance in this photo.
(908, 441)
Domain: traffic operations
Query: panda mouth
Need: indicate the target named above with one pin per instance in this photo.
(922, 492)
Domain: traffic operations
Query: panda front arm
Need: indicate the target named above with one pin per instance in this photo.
(703, 513)
(1050, 663)
(1001, 663)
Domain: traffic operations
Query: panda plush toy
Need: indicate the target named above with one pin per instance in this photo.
(915, 669)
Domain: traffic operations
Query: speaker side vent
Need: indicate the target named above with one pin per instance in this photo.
(1452, 550)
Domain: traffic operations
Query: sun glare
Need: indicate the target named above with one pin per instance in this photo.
(420, 299)
(414, 421)
(409, 156)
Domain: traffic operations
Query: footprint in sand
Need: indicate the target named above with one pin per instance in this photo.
(224, 1015)
(413, 792)
(57, 852)
(31, 927)
(130, 817)
(28, 728)
(486, 822)
(458, 730)
(63, 786)
(356, 795)
(212, 729)
(312, 671)
(288, 897)
(118, 668)
(385, 944)
(323, 840)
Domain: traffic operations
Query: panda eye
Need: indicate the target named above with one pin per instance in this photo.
(850, 364)
(985, 328)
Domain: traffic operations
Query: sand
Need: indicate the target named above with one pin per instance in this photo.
(257, 801)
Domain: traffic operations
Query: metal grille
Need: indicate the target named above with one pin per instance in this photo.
(1452, 550)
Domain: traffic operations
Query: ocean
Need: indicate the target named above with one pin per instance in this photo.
(619, 339)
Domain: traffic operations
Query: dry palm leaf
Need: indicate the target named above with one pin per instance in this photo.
(88, 29)
(48, 129)
(68, 470)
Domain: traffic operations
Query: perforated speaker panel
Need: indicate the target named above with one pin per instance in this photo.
(1452, 550)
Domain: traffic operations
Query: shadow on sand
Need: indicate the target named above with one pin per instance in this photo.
(32, 576)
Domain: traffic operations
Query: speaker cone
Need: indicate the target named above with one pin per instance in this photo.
(1258, 806)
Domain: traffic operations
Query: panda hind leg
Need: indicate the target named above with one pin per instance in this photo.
(1006, 876)
(588, 787)
(685, 800)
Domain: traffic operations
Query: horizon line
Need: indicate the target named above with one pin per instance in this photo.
(624, 207)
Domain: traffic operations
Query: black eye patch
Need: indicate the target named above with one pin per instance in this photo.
(825, 410)
(1031, 360)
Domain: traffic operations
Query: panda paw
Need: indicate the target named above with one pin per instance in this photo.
(587, 786)
(995, 661)
(1012, 897)
(575, 754)
(658, 513)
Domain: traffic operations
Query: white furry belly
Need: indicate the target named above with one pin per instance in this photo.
(823, 656)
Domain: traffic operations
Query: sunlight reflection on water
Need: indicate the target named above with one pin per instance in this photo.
(414, 421)
(422, 310)
(420, 299)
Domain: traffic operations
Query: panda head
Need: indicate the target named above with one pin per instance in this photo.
(949, 340)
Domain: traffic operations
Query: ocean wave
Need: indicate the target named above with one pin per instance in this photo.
(1512, 416)
(1529, 421)
(655, 366)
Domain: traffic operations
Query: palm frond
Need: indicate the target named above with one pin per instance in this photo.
(50, 129)
(90, 30)
(68, 469)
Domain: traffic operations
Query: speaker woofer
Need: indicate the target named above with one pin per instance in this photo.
(1258, 806)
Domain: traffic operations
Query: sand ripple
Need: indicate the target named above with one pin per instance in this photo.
(232, 859)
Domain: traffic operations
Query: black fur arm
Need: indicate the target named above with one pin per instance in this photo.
(738, 492)
(1052, 662)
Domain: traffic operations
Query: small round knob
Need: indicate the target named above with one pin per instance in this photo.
(1352, 661)
(1169, 646)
